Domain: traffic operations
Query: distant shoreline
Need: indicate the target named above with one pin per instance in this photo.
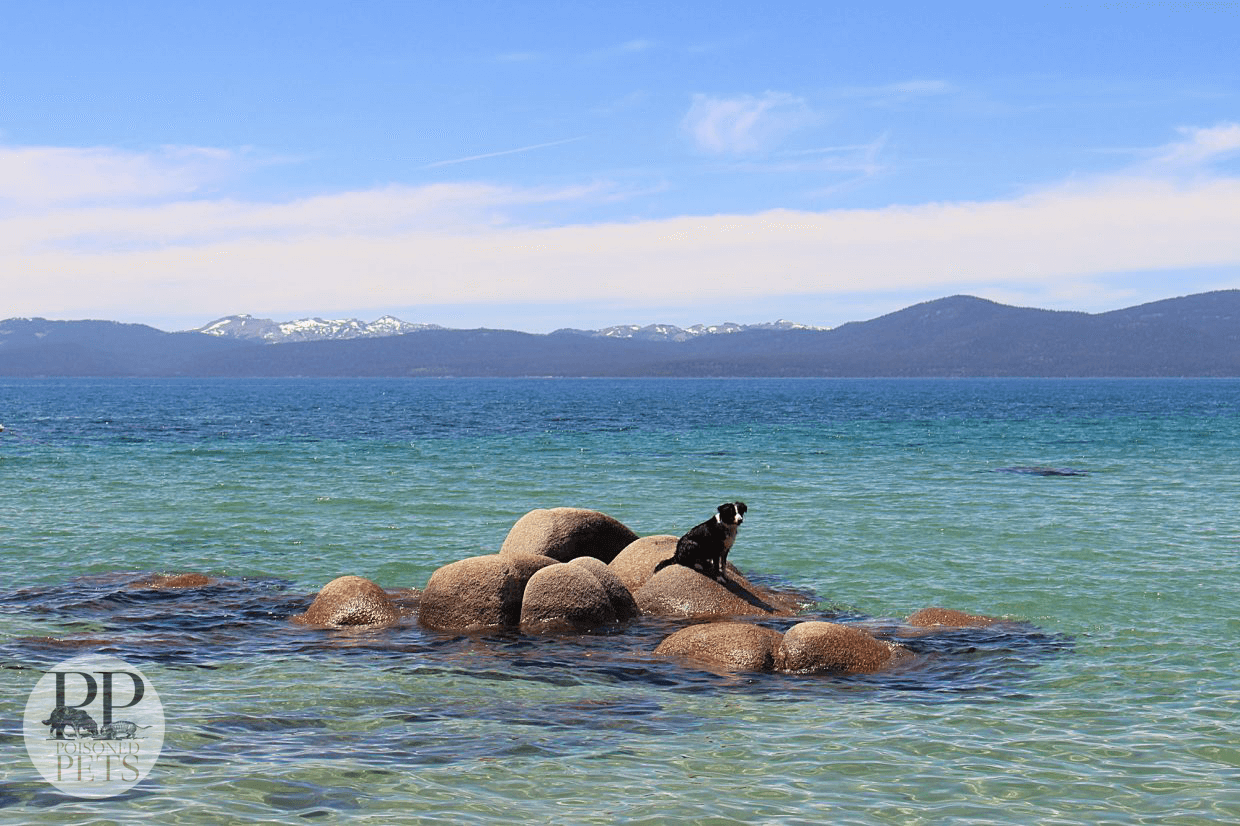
(958, 337)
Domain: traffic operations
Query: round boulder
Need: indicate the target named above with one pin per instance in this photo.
(948, 618)
(564, 596)
(635, 564)
(831, 648)
(622, 601)
(478, 592)
(731, 646)
(567, 533)
(350, 600)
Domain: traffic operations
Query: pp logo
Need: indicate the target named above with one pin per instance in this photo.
(94, 726)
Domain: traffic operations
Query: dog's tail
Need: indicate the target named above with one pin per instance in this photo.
(664, 564)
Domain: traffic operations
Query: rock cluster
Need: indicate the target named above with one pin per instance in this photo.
(553, 572)
(573, 569)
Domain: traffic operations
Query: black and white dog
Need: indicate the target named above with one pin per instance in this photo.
(705, 547)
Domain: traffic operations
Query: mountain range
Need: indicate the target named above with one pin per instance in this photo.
(318, 329)
(1196, 335)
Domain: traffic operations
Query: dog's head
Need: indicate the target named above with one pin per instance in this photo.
(732, 513)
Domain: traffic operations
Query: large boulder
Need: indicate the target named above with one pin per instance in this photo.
(731, 646)
(567, 533)
(479, 592)
(350, 600)
(635, 564)
(934, 617)
(817, 647)
(677, 591)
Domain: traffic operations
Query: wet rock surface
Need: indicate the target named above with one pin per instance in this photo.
(935, 617)
(186, 580)
(351, 600)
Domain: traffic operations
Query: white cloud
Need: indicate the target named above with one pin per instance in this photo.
(1199, 147)
(462, 244)
(745, 124)
(55, 175)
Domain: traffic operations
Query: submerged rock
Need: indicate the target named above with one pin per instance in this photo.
(567, 533)
(185, 580)
(1042, 470)
(350, 600)
(948, 618)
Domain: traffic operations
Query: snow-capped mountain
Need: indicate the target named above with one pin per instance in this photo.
(308, 329)
(669, 332)
(318, 329)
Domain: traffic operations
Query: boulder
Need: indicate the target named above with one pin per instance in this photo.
(677, 591)
(567, 533)
(732, 646)
(621, 597)
(350, 600)
(478, 592)
(947, 618)
(635, 564)
(817, 647)
(563, 596)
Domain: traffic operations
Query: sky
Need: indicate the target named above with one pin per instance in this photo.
(537, 165)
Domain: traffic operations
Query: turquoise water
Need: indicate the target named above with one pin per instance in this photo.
(1115, 700)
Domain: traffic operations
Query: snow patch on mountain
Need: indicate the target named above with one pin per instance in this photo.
(670, 332)
(308, 329)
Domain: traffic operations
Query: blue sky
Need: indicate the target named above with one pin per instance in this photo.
(536, 165)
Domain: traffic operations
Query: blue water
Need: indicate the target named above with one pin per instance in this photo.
(1112, 699)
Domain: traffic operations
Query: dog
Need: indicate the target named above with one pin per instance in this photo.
(705, 547)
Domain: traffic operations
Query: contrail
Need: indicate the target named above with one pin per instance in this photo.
(503, 152)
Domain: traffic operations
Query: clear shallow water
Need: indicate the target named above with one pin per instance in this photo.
(1115, 702)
